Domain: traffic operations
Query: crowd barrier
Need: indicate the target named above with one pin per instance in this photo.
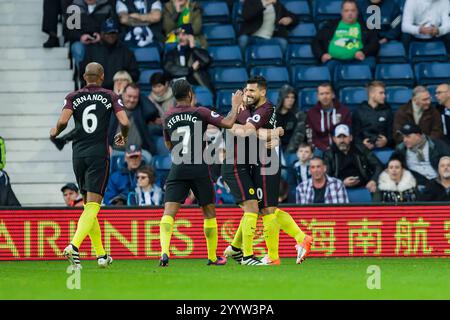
(133, 233)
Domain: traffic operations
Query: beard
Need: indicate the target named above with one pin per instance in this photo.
(446, 175)
(343, 147)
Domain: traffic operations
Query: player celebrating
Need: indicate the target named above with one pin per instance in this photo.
(184, 128)
(91, 107)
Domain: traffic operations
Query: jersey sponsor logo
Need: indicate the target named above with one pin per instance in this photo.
(254, 118)
(214, 114)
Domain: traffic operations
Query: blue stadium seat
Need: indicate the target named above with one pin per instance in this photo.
(147, 57)
(161, 148)
(226, 56)
(326, 10)
(144, 79)
(307, 98)
(162, 166)
(398, 74)
(383, 154)
(351, 75)
(432, 90)
(263, 55)
(300, 8)
(352, 97)
(228, 78)
(272, 96)
(117, 162)
(236, 15)
(432, 73)
(219, 34)
(397, 96)
(204, 96)
(215, 11)
(401, 4)
(392, 52)
(223, 101)
(299, 53)
(302, 33)
(309, 76)
(275, 76)
(359, 195)
(432, 51)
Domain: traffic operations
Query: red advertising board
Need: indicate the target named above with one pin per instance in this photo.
(345, 231)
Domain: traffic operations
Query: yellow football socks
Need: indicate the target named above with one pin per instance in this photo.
(271, 235)
(248, 232)
(289, 226)
(237, 241)
(210, 229)
(165, 233)
(85, 223)
(96, 239)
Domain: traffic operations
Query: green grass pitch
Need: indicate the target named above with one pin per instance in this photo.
(319, 278)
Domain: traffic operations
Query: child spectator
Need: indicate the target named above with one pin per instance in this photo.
(71, 195)
(147, 193)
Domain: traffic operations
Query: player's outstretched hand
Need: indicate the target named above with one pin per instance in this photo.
(53, 133)
(272, 143)
(119, 140)
(237, 99)
(280, 131)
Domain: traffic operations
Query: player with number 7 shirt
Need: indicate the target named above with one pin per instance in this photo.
(91, 108)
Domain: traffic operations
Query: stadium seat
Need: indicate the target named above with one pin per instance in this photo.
(215, 11)
(263, 55)
(392, 52)
(116, 163)
(309, 76)
(275, 76)
(272, 96)
(326, 10)
(161, 148)
(307, 98)
(204, 96)
(397, 96)
(226, 56)
(351, 75)
(299, 53)
(162, 166)
(144, 79)
(432, 73)
(228, 78)
(300, 8)
(359, 195)
(432, 51)
(148, 57)
(236, 15)
(399, 74)
(352, 97)
(219, 34)
(223, 101)
(383, 154)
(401, 4)
(302, 33)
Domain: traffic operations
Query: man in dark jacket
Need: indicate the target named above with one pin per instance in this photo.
(443, 99)
(353, 164)
(346, 40)
(7, 196)
(372, 121)
(112, 54)
(421, 152)
(438, 189)
(265, 20)
(187, 61)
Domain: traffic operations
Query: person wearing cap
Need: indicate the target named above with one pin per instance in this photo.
(112, 54)
(354, 164)
(124, 181)
(71, 195)
(420, 112)
(188, 61)
(422, 153)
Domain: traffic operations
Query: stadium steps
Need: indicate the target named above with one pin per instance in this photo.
(33, 84)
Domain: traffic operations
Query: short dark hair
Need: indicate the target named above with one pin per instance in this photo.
(318, 158)
(259, 80)
(326, 85)
(306, 145)
(348, 1)
(181, 89)
(374, 84)
(131, 85)
(149, 171)
(158, 78)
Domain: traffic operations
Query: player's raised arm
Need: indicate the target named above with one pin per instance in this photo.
(236, 103)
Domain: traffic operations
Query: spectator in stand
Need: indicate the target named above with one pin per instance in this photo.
(140, 111)
(426, 20)
(443, 98)
(397, 184)
(301, 166)
(422, 153)
(438, 189)
(187, 61)
(112, 54)
(161, 94)
(93, 14)
(71, 195)
(292, 120)
(322, 119)
(372, 121)
(124, 181)
(355, 165)
(346, 40)
(265, 21)
(52, 10)
(147, 193)
(177, 13)
(121, 79)
(7, 196)
(141, 21)
(321, 188)
(391, 18)
(420, 112)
